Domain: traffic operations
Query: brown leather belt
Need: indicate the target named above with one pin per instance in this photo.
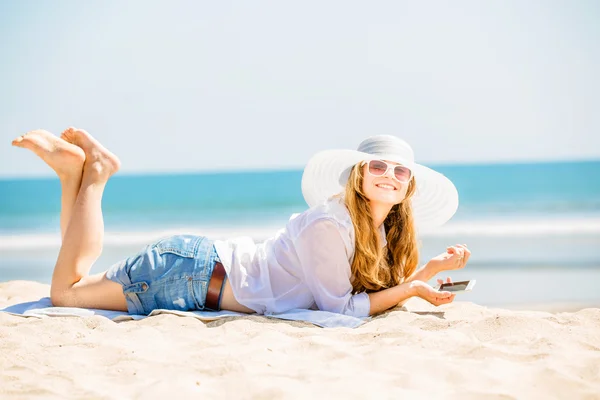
(215, 287)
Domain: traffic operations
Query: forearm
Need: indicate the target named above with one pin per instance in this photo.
(425, 273)
(388, 298)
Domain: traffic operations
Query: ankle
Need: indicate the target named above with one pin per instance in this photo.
(70, 178)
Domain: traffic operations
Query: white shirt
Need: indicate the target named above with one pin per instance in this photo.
(305, 265)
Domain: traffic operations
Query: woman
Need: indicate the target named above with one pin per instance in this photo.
(354, 251)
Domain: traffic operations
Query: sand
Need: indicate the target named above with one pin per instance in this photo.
(461, 350)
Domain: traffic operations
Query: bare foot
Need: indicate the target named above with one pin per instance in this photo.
(100, 162)
(64, 158)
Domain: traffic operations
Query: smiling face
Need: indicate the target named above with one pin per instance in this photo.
(384, 189)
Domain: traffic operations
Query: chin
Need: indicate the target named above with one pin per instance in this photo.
(388, 200)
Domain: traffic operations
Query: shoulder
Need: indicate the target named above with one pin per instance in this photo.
(334, 210)
(329, 218)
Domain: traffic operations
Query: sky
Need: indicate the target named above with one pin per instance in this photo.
(210, 86)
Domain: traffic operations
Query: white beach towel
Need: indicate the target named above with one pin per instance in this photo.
(43, 308)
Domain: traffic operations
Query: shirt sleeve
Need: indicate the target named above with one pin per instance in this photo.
(324, 260)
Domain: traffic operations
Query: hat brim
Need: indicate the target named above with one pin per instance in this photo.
(434, 202)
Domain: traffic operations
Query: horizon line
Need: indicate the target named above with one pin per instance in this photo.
(232, 170)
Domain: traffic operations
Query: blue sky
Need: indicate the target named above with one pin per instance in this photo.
(197, 86)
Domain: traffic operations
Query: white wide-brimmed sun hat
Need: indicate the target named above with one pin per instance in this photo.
(434, 202)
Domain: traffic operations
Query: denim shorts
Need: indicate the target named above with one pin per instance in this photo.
(172, 274)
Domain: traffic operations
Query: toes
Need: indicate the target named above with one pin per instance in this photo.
(68, 135)
(66, 131)
(76, 136)
(22, 141)
(18, 141)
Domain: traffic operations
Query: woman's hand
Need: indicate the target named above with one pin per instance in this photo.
(441, 281)
(455, 257)
(431, 295)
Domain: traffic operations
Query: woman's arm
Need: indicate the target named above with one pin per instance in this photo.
(455, 257)
(425, 273)
(323, 256)
(415, 284)
(398, 295)
(388, 298)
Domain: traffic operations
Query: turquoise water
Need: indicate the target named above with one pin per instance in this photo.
(534, 224)
(134, 203)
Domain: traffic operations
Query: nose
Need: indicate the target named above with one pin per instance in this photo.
(390, 172)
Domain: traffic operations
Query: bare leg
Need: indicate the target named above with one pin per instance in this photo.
(82, 244)
(65, 159)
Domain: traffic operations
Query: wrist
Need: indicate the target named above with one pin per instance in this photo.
(413, 288)
(433, 268)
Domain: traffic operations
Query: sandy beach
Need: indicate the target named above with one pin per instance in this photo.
(460, 350)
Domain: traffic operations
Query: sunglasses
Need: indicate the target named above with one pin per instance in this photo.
(379, 168)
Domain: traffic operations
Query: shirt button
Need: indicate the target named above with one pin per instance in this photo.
(144, 286)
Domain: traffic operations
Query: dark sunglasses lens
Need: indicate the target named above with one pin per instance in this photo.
(402, 173)
(377, 167)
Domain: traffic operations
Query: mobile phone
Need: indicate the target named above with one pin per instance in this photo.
(457, 287)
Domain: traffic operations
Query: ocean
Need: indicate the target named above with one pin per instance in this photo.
(530, 220)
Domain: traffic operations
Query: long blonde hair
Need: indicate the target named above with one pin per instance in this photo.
(375, 267)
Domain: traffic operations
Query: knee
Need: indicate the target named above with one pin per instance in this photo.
(60, 297)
